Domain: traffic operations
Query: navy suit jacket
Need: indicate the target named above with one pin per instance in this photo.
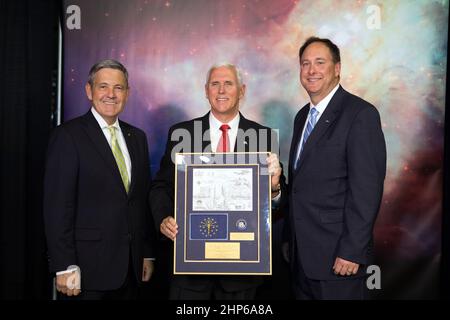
(90, 220)
(162, 193)
(336, 190)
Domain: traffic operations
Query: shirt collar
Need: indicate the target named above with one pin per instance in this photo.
(101, 122)
(215, 124)
(321, 106)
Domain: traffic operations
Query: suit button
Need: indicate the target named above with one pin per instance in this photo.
(129, 237)
(294, 190)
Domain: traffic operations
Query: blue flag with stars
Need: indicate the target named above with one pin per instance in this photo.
(209, 227)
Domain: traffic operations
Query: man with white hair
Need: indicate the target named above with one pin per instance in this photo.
(219, 133)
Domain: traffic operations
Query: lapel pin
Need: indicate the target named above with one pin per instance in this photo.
(129, 134)
(327, 121)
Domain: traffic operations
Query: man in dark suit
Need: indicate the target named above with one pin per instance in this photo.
(97, 180)
(337, 167)
(224, 89)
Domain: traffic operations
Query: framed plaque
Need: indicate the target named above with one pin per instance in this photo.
(223, 212)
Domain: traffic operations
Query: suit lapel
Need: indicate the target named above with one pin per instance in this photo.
(326, 120)
(206, 144)
(298, 128)
(244, 125)
(100, 143)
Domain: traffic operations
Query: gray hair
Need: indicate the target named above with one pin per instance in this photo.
(226, 65)
(110, 64)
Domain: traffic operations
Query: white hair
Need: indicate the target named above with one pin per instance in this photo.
(226, 65)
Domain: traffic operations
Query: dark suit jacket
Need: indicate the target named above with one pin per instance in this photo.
(335, 193)
(90, 220)
(162, 193)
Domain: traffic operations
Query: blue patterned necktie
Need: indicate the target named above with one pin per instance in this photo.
(313, 113)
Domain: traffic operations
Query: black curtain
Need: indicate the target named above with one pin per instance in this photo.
(445, 259)
(28, 73)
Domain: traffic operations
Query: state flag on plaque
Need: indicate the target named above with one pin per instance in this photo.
(209, 226)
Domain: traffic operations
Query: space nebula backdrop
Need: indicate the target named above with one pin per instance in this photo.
(394, 54)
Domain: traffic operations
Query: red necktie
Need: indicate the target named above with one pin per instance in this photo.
(224, 142)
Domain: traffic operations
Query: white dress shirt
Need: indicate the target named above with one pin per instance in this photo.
(321, 106)
(120, 139)
(216, 133)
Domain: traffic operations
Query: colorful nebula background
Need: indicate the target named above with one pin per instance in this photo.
(400, 67)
